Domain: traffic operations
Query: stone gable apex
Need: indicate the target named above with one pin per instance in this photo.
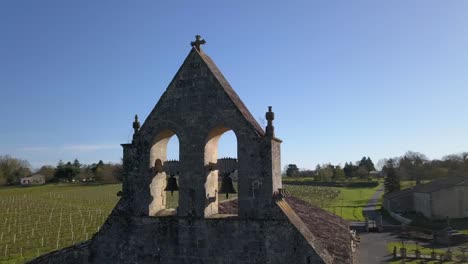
(197, 70)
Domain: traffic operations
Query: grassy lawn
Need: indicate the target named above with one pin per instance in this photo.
(407, 183)
(460, 225)
(411, 247)
(418, 262)
(349, 204)
(296, 179)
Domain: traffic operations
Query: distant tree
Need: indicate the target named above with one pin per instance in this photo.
(67, 171)
(94, 166)
(3, 178)
(338, 174)
(381, 163)
(12, 170)
(317, 168)
(362, 172)
(436, 173)
(392, 179)
(86, 173)
(325, 173)
(465, 162)
(48, 171)
(348, 170)
(109, 173)
(306, 173)
(292, 170)
(367, 163)
(412, 166)
(76, 164)
(456, 164)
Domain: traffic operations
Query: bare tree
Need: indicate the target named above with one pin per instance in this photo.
(13, 169)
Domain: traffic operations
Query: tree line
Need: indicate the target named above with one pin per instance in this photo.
(412, 166)
(415, 166)
(13, 169)
(328, 172)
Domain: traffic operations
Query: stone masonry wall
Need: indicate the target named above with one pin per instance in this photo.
(198, 105)
(129, 239)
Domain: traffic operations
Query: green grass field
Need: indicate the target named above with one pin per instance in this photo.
(411, 247)
(349, 204)
(37, 220)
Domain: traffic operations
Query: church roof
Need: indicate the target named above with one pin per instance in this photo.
(35, 176)
(440, 184)
(330, 230)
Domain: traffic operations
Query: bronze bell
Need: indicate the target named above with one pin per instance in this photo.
(226, 186)
(171, 185)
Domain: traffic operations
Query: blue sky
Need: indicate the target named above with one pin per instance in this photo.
(345, 78)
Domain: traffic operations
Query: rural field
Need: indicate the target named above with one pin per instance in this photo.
(36, 220)
(349, 204)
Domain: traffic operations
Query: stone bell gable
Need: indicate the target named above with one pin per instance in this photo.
(260, 226)
(198, 106)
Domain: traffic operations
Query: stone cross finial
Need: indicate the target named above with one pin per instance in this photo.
(198, 41)
(136, 124)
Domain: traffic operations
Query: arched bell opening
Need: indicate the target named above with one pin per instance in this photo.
(221, 169)
(164, 167)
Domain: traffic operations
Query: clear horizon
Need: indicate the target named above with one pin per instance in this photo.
(345, 79)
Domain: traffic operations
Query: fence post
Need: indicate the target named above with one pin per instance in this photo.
(448, 255)
(403, 252)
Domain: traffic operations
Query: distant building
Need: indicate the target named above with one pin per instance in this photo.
(443, 198)
(35, 179)
(399, 201)
(376, 174)
(438, 199)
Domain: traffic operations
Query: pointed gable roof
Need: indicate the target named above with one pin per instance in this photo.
(230, 92)
(331, 239)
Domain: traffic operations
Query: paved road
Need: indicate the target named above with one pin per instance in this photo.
(373, 246)
(369, 210)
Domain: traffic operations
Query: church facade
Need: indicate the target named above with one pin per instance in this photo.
(199, 106)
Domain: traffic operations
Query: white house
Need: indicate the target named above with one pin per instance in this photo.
(35, 179)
